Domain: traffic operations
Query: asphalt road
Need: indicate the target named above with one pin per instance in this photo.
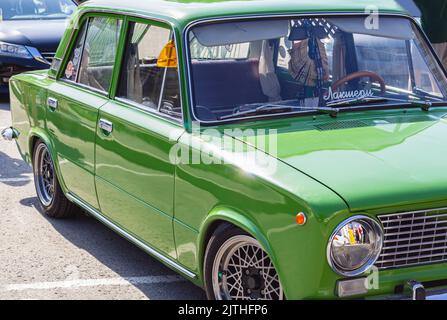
(69, 259)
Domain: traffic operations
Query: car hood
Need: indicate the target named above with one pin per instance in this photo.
(44, 35)
(376, 161)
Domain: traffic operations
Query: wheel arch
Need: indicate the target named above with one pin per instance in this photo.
(220, 216)
(36, 135)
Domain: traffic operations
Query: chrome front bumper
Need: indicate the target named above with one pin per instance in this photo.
(416, 291)
(437, 295)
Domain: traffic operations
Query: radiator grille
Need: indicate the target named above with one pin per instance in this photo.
(413, 238)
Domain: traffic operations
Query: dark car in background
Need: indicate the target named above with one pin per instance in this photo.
(30, 32)
(410, 7)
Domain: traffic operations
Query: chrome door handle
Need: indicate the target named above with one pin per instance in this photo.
(105, 125)
(52, 103)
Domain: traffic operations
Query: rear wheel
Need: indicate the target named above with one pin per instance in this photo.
(49, 192)
(237, 268)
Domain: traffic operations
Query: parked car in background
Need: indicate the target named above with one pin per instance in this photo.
(349, 198)
(410, 7)
(30, 32)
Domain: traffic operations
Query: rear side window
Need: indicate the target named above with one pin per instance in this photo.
(142, 81)
(94, 55)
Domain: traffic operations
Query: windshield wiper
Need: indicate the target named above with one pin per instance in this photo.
(352, 102)
(424, 105)
(278, 108)
(333, 108)
(425, 94)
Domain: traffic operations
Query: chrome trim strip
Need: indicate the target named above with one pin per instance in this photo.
(78, 85)
(408, 239)
(413, 212)
(412, 251)
(248, 17)
(408, 265)
(174, 265)
(416, 219)
(414, 245)
(152, 112)
(427, 256)
(398, 233)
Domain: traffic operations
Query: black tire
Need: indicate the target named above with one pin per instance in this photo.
(224, 234)
(48, 190)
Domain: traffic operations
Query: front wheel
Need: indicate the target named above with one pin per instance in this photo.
(237, 268)
(50, 195)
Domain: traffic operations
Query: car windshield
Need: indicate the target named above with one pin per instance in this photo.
(35, 9)
(241, 69)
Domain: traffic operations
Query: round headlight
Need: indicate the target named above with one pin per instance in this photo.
(355, 246)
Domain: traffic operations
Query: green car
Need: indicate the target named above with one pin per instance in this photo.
(264, 149)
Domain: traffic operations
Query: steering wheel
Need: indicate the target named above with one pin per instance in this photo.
(360, 74)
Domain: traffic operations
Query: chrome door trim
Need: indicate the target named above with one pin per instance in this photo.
(152, 112)
(96, 214)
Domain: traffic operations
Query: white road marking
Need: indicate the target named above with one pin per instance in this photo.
(74, 284)
(15, 179)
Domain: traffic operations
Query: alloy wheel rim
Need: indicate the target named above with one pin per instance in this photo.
(242, 270)
(44, 172)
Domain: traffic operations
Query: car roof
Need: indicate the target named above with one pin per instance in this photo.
(181, 12)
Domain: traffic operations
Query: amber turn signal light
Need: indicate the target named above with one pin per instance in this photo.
(301, 219)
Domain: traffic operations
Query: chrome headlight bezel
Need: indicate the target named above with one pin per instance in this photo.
(374, 254)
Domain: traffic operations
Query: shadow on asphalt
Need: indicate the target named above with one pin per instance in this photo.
(118, 254)
(15, 169)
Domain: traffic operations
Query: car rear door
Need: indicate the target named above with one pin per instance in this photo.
(75, 98)
(136, 131)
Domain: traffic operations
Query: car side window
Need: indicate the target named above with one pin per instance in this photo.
(93, 58)
(72, 68)
(142, 80)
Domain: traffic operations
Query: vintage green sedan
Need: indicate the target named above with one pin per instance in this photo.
(264, 149)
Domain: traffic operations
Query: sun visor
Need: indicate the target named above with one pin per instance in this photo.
(240, 32)
(388, 27)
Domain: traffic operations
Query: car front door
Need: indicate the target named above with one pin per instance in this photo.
(136, 131)
(74, 101)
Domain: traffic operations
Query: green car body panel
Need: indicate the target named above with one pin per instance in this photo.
(331, 175)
